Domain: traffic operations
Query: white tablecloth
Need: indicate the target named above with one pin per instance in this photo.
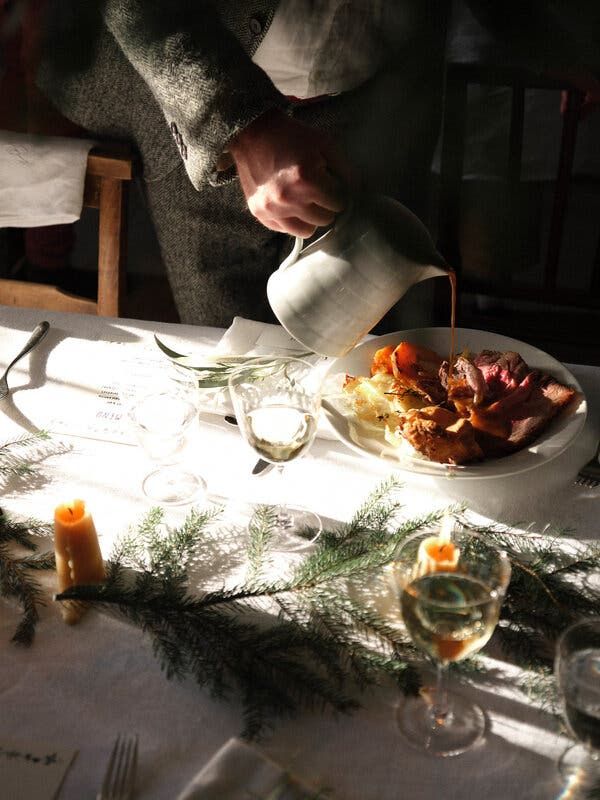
(79, 686)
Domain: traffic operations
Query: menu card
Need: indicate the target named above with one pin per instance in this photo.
(32, 771)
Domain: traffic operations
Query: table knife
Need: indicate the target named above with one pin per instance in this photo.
(261, 467)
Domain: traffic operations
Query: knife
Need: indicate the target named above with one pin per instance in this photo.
(261, 467)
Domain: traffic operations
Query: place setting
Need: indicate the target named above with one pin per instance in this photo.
(298, 538)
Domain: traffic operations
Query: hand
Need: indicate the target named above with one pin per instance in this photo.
(291, 176)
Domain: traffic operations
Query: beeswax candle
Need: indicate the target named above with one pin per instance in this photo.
(77, 552)
(439, 553)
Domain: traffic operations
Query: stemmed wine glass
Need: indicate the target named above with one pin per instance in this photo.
(277, 403)
(577, 670)
(162, 412)
(451, 590)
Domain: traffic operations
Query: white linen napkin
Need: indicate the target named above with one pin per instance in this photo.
(239, 771)
(246, 337)
(41, 179)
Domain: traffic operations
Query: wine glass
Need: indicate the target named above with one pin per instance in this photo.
(451, 590)
(277, 403)
(577, 670)
(162, 415)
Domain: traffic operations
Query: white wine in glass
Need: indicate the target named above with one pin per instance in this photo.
(277, 403)
(451, 590)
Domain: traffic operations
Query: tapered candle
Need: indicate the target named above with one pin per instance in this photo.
(77, 552)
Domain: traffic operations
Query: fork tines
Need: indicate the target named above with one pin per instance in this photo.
(589, 474)
(120, 773)
(588, 482)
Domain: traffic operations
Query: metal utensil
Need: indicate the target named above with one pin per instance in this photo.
(261, 467)
(589, 474)
(120, 774)
(36, 337)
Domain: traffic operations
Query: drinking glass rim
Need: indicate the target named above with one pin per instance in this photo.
(136, 400)
(501, 586)
(578, 623)
(247, 366)
(258, 360)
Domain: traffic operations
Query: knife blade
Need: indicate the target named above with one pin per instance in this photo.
(261, 467)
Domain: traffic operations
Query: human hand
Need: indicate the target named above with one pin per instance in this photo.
(292, 177)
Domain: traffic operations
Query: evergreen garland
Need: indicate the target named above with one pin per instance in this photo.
(326, 643)
(15, 571)
(18, 458)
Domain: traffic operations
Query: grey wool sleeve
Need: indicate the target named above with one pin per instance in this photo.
(202, 78)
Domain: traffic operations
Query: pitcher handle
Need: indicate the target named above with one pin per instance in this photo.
(293, 256)
(299, 243)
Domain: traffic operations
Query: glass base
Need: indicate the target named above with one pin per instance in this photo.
(297, 528)
(462, 728)
(173, 486)
(579, 768)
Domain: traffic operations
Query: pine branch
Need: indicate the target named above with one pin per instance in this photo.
(15, 580)
(323, 641)
(19, 456)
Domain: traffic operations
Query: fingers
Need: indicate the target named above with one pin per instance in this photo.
(296, 205)
(291, 225)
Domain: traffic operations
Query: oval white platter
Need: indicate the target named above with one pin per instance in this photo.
(554, 440)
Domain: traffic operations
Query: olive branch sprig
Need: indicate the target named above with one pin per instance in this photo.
(213, 371)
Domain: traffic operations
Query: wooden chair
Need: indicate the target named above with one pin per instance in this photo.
(565, 311)
(109, 171)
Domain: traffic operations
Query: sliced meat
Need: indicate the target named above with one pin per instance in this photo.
(467, 386)
(502, 372)
(505, 427)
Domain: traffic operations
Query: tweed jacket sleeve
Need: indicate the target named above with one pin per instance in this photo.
(199, 72)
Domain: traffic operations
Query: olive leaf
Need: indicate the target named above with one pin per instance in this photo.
(213, 371)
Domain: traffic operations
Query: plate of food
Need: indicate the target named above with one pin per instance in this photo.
(503, 407)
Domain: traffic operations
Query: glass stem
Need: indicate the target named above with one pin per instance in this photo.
(283, 516)
(439, 707)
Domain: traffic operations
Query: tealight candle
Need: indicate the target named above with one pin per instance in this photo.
(77, 552)
(439, 553)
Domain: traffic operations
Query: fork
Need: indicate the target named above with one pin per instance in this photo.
(120, 772)
(38, 334)
(589, 474)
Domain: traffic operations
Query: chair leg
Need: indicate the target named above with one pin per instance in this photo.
(112, 243)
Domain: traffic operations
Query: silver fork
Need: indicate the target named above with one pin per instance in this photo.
(36, 337)
(120, 773)
(589, 474)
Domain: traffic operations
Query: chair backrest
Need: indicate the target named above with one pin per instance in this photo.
(109, 171)
(546, 288)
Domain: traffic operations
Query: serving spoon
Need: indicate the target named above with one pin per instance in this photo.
(36, 337)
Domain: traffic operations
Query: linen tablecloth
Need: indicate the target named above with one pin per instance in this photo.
(79, 686)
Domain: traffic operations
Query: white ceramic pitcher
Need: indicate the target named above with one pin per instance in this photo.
(329, 294)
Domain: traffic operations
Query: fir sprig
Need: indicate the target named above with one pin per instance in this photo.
(322, 641)
(19, 456)
(15, 578)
